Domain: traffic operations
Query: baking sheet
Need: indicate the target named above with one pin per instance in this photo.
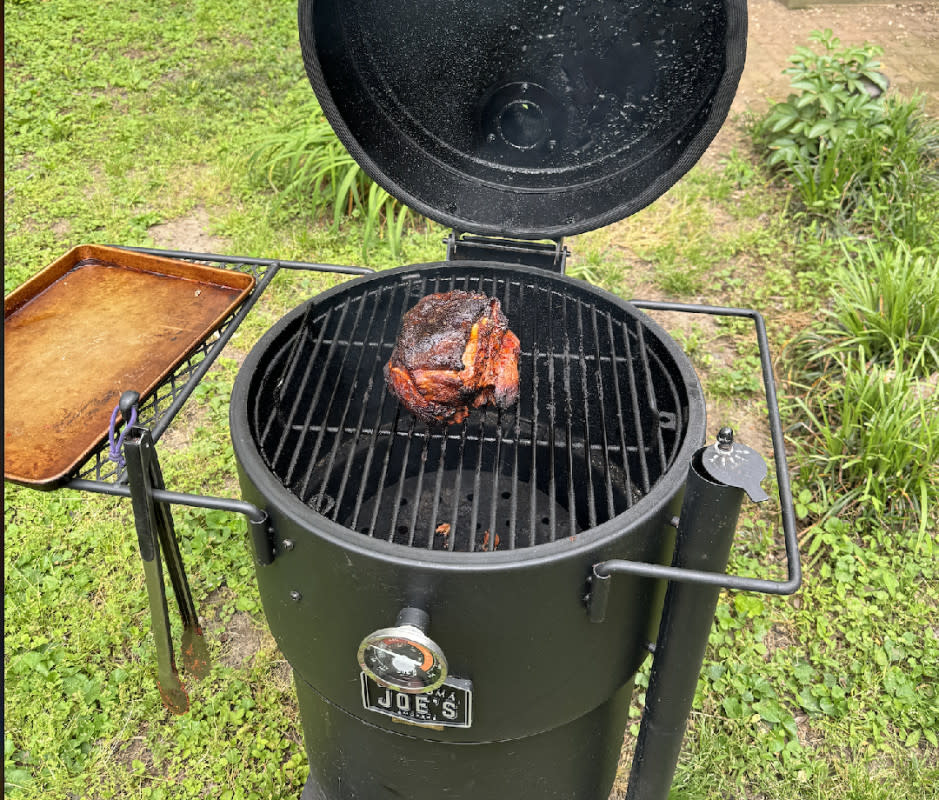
(95, 323)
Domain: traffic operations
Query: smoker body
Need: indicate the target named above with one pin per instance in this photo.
(574, 760)
(550, 689)
(519, 631)
(607, 399)
(529, 122)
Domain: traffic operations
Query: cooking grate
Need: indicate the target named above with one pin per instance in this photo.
(601, 415)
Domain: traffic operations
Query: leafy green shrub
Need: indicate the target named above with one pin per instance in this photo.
(833, 101)
(860, 161)
(305, 162)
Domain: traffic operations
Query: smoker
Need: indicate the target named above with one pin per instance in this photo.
(465, 607)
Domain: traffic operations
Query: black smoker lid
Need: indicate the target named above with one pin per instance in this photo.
(526, 119)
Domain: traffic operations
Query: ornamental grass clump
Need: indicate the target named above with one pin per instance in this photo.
(887, 308)
(874, 441)
(305, 163)
(869, 382)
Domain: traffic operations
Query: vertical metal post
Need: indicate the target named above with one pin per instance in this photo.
(705, 534)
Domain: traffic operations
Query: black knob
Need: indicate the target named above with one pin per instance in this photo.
(128, 400)
(725, 439)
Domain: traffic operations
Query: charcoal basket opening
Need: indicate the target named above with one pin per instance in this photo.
(602, 413)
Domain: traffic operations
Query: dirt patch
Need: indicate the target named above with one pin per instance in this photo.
(189, 233)
(178, 436)
(137, 750)
(240, 636)
(777, 638)
(282, 676)
(241, 641)
(808, 737)
(194, 415)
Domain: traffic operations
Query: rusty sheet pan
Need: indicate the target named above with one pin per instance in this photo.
(97, 322)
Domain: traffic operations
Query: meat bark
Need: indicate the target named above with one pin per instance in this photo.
(454, 352)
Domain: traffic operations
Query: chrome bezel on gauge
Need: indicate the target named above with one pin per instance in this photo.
(426, 676)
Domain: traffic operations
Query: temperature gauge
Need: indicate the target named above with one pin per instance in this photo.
(403, 658)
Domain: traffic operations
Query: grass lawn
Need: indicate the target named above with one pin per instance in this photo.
(122, 117)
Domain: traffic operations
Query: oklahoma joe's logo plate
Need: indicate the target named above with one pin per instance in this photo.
(447, 706)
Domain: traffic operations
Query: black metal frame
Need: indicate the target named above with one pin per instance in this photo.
(141, 479)
(183, 381)
(606, 569)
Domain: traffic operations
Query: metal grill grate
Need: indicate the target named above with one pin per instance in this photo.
(601, 415)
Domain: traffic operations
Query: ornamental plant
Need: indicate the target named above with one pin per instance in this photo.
(838, 94)
(856, 158)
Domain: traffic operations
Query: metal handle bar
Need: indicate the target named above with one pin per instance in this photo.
(257, 262)
(258, 523)
(793, 565)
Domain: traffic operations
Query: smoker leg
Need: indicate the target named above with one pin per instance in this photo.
(705, 534)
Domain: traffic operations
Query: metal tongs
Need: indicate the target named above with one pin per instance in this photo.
(156, 534)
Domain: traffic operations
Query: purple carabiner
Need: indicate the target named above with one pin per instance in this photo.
(115, 442)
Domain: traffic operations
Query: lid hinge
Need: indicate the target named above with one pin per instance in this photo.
(545, 255)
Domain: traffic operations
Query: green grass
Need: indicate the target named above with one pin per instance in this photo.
(120, 116)
(887, 307)
(306, 163)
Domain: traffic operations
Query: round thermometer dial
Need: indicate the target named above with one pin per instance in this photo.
(403, 658)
